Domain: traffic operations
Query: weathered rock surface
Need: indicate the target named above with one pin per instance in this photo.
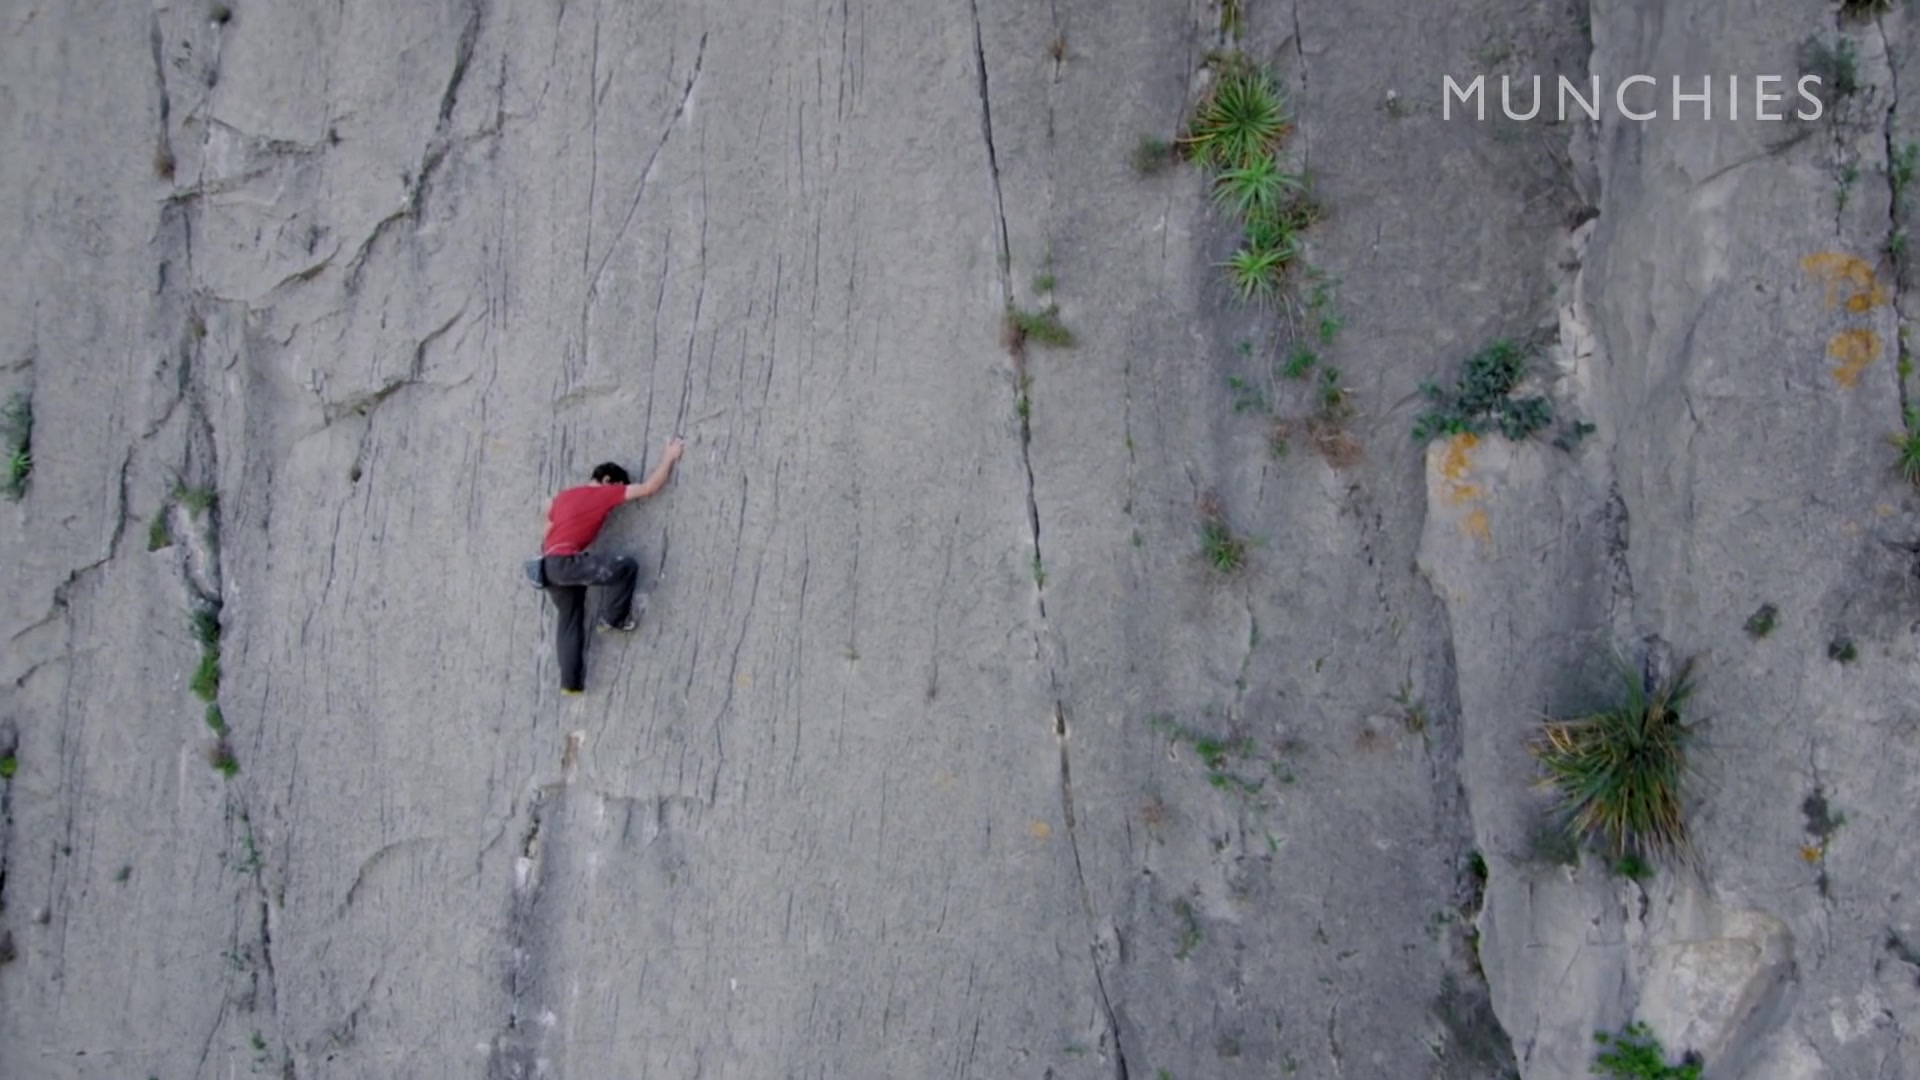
(902, 775)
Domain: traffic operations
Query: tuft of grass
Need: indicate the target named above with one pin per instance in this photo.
(1841, 650)
(1190, 933)
(216, 720)
(8, 766)
(1897, 245)
(1634, 1054)
(1901, 170)
(1762, 621)
(163, 163)
(1224, 551)
(1255, 271)
(220, 756)
(197, 499)
(1043, 283)
(1481, 399)
(1837, 63)
(1241, 121)
(205, 683)
(16, 436)
(205, 622)
(1246, 396)
(1631, 867)
(1151, 154)
(1039, 572)
(159, 533)
(1232, 18)
(1621, 770)
(1042, 327)
(1907, 448)
(1300, 361)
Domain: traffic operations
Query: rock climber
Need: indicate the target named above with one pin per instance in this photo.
(574, 518)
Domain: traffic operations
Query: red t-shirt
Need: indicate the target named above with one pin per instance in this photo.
(577, 515)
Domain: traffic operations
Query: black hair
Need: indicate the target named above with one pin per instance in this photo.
(610, 473)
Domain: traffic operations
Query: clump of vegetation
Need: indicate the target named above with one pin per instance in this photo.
(1634, 1054)
(1837, 63)
(163, 164)
(1042, 327)
(1762, 621)
(1620, 771)
(220, 756)
(1241, 121)
(1632, 867)
(205, 683)
(216, 720)
(1865, 7)
(197, 499)
(1901, 169)
(1190, 933)
(1224, 551)
(8, 766)
(1481, 399)
(16, 435)
(1151, 154)
(1907, 447)
(1841, 650)
(159, 533)
(1226, 758)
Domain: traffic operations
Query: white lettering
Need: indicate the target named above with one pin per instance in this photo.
(1592, 107)
(1506, 102)
(1620, 96)
(1761, 97)
(1472, 92)
(1818, 105)
(1704, 97)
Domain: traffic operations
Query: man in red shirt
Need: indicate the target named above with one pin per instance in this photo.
(574, 518)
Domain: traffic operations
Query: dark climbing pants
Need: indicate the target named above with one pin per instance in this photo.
(568, 578)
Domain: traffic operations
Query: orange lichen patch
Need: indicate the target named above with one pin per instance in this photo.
(1849, 274)
(1810, 853)
(1475, 524)
(1454, 464)
(1853, 350)
(1040, 830)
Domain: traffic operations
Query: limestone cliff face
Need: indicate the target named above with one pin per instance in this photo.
(915, 767)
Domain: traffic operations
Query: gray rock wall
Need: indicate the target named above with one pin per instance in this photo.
(903, 774)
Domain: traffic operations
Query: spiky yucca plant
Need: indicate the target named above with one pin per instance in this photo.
(1240, 122)
(1255, 271)
(1621, 771)
(1256, 191)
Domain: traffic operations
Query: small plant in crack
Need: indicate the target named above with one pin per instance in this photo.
(199, 500)
(1190, 933)
(216, 721)
(220, 756)
(9, 765)
(163, 163)
(1844, 194)
(1842, 650)
(16, 433)
(159, 533)
(1231, 19)
(1039, 572)
(1224, 551)
(1041, 327)
(1632, 867)
(1907, 447)
(1255, 271)
(1043, 282)
(205, 682)
(1634, 1054)
(1151, 154)
(1897, 245)
(1023, 400)
(1762, 621)
(1836, 63)
(1299, 362)
(220, 14)
(1900, 171)
(1621, 770)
